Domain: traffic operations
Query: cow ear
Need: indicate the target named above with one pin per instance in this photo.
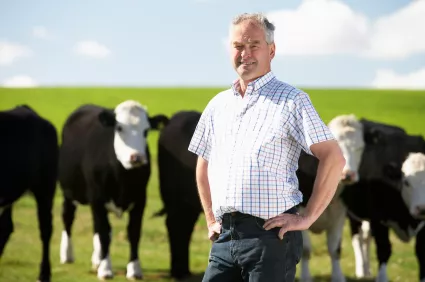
(393, 171)
(373, 136)
(107, 118)
(158, 121)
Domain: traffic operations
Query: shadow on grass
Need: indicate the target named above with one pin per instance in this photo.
(151, 274)
(327, 278)
(161, 274)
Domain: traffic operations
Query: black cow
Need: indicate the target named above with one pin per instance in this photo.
(178, 187)
(379, 200)
(29, 153)
(105, 163)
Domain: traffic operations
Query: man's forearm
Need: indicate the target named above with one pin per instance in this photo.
(327, 179)
(204, 189)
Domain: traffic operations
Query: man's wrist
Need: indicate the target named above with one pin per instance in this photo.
(308, 218)
(210, 219)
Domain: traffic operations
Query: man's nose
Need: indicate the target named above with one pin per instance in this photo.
(246, 53)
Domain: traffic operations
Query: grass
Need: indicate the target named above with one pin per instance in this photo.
(23, 252)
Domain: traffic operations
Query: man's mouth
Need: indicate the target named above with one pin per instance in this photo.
(246, 63)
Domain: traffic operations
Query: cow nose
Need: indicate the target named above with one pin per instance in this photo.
(137, 159)
(420, 211)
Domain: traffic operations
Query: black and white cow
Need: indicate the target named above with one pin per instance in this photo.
(365, 204)
(105, 163)
(349, 133)
(178, 187)
(29, 154)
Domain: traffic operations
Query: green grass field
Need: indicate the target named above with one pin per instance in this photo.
(22, 254)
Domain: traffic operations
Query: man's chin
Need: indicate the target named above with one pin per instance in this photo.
(246, 74)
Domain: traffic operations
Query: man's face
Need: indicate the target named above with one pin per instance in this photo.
(251, 55)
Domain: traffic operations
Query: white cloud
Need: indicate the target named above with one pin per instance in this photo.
(10, 52)
(20, 81)
(319, 27)
(329, 27)
(400, 34)
(92, 49)
(40, 32)
(386, 78)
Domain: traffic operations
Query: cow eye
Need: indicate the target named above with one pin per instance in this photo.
(119, 128)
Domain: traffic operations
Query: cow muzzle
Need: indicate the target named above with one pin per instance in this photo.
(419, 212)
(137, 160)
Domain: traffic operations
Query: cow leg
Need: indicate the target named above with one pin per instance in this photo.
(383, 248)
(420, 253)
(6, 227)
(180, 224)
(68, 216)
(134, 270)
(360, 234)
(44, 194)
(305, 261)
(102, 229)
(365, 239)
(334, 237)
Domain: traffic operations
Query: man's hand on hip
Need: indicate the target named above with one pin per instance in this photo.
(214, 230)
(287, 222)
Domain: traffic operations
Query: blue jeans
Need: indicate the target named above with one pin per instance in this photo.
(245, 251)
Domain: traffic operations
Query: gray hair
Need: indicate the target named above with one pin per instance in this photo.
(261, 20)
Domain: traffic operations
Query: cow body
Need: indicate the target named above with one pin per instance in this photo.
(105, 163)
(365, 203)
(178, 187)
(29, 150)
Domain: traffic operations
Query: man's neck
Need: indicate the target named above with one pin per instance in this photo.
(243, 84)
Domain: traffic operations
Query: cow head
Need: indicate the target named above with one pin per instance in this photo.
(411, 178)
(348, 131)
(131, 124)
(413, 184)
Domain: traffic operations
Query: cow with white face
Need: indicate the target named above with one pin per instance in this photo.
(413, 189)
(105, 163)
(348, 131)
(132, 124)
(389, 195)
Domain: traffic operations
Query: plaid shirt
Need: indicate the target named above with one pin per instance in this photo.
(252, 145)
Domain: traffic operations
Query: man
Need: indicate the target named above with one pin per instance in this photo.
(248, 140)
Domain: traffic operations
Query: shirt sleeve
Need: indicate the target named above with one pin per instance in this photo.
(200, 143)
(305, 124)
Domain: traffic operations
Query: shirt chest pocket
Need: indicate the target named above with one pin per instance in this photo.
(269, 150)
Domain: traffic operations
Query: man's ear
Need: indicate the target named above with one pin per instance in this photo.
(107, 118)
(272, 50)
(158, 121)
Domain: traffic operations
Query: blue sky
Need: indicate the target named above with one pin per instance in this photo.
(320, 43)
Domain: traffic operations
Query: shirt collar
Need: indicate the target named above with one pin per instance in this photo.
(253, 85)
